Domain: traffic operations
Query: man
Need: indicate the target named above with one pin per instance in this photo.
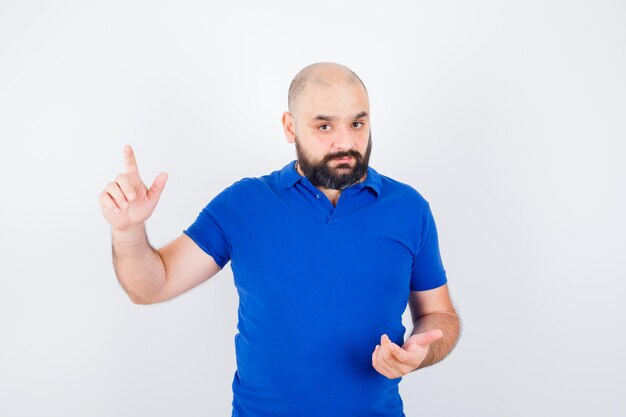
(325, 253)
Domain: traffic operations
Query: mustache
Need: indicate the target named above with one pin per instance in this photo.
(355, 154)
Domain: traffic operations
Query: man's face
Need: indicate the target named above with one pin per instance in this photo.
(332, 134)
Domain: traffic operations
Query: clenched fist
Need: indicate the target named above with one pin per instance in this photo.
(126, 201)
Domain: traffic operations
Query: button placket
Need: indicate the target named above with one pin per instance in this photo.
(333, 216)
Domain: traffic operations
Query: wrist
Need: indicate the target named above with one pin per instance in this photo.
(129, 234)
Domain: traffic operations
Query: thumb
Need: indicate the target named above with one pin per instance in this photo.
(157, 187)
(427, 338)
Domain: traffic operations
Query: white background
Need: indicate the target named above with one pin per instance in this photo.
(508, 116)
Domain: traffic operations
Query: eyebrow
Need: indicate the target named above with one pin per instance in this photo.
(333, 118)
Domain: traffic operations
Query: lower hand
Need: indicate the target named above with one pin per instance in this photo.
(394, 361)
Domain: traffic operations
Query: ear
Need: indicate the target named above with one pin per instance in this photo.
(289, 127)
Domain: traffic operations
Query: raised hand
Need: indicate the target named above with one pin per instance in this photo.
(394, 361)
(126, 201)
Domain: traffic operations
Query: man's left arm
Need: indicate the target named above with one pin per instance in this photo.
(433, 309)
(436, 330)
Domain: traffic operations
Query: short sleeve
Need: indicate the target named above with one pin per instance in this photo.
(427, 271)
(210, 230)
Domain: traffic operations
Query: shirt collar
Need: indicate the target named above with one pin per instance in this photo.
(289, 176)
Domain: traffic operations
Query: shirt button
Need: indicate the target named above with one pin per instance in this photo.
(318, 195)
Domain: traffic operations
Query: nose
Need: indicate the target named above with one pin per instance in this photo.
(344, 140)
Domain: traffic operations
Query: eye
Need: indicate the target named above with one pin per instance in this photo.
(322, 126)
(357, 123)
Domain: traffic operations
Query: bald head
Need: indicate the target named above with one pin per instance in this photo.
(320, 75)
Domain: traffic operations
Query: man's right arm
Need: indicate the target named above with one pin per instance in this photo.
(146, 274)
(151, 276)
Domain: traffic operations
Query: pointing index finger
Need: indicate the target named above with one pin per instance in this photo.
(130, 163)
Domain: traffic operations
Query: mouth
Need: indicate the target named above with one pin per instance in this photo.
(343, 159)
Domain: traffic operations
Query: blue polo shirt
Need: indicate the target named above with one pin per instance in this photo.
(318, 285)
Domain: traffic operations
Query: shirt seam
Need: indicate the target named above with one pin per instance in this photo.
(229, 223)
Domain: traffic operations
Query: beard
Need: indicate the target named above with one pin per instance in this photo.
(342, 175)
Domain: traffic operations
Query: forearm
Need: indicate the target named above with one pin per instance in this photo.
(138, 266)
(449, 324)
